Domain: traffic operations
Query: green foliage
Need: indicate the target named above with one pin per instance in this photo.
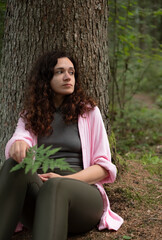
(152, 79)
(116, 158)
(150, 159)
(139, 128)
(135, 62)
(127, 237)
(152, 162)
(159, 101)
(158, 12)
(40, 157)
(135, 50)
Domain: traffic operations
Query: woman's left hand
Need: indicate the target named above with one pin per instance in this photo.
(45, 176)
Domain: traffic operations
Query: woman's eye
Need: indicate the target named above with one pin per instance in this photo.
(59, 72)
(71, 73)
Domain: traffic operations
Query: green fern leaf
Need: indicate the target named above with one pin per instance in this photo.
(16, 167)
(28, 168)
(36, 157)
(45, 166)
(35, 167)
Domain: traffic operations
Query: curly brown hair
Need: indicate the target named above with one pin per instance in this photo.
(38, 107)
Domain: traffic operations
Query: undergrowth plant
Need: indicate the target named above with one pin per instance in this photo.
(139, 129)
(152, 162)
(40, 157)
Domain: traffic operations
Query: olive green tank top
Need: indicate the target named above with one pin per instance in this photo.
(66, 137)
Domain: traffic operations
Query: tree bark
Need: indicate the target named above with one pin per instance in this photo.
(33, 27)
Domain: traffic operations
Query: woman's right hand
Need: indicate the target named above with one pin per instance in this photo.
(18, 150)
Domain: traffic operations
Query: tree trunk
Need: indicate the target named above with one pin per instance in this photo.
(160, 23)
(142, 24)
(33, 27)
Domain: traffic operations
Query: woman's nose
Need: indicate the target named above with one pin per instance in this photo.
(67, 76)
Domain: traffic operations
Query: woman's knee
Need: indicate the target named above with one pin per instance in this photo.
(54, 186)
(10, 162)
(16, 176)
(8, 165)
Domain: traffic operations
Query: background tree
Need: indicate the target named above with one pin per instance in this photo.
(33, 27)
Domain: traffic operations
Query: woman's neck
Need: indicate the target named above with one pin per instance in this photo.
(58, 100)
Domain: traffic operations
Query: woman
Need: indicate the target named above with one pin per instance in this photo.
(56, 111)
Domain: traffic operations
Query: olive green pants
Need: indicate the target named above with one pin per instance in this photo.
(51, 209)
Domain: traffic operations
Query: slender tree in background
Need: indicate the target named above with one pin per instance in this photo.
(33, 27)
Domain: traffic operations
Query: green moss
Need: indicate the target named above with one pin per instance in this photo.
(117, 159)
(128, 193)
(152, 196)
(124, 194)
(112, 141)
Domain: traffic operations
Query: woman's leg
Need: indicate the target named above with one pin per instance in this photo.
(64, 205)
(28, 211)
(13, 189)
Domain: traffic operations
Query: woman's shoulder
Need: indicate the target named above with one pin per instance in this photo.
(94, 114)
(95, 111)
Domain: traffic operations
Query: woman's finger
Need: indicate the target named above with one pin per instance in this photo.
(43, 178)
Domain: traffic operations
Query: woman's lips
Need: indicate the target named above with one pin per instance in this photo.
(67, 85)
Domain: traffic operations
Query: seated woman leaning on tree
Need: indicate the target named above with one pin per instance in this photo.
(57, 112)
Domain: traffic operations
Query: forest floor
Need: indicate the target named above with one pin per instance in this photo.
(136, 196)
(145, 99)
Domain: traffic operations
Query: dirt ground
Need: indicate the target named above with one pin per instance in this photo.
(136, 196)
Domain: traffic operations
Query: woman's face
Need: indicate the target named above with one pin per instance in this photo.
(63, 81)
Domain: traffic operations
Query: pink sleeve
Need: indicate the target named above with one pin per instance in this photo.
(20, 134)
(100, 150)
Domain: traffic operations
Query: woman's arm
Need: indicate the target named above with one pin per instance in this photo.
(22, 138)
(100, 150)
(91, 175)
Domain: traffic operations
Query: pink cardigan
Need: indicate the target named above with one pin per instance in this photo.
(95, 150)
